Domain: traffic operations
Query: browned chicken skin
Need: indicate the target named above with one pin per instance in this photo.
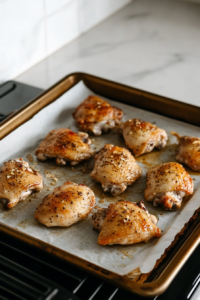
(67, 205)
(96, 115)
(142, 137)
(188, 151)
(115, 168)
(125, 223)
(168, 184)
(18, 181)
(65, 145)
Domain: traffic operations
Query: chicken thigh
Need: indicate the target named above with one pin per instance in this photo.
(18, 181)
(168, 184)
(67, 205)
(188, 151)
(115, 168)
(65, 145)
(96, 115)
(125, 223)
(142, 137)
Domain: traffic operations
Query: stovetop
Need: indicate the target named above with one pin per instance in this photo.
(27, 272)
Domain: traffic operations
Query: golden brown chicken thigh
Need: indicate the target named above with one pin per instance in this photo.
(188, 151)
(67, 205)
(142, 137)
(168, 184)
(96, 115)
(65, 145)
(18, 181)
(115, 168)
(125, 223)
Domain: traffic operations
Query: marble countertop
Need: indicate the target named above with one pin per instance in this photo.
(151, 45)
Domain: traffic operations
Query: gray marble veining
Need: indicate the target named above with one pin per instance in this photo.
(153, 45)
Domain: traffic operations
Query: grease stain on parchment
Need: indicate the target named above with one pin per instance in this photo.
(125, 252)
(156, 157)
(6, 215)
(25, 223)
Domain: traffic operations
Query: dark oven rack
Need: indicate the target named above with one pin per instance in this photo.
(27, 272)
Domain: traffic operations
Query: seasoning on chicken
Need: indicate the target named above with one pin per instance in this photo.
(167, 184)
(188, 151)
(142, 137)
(17, 181)
(65, 145)
(115, 168)
(96, 115)
(67, 205)
(125, 223)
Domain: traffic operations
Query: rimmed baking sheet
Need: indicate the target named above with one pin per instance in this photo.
(80, 239)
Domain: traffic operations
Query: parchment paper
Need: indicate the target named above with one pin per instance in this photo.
(80, 239)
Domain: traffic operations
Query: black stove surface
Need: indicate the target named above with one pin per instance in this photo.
(27, 272)
(14, 95)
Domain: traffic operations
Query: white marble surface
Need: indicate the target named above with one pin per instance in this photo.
(78, 16)
(32, 30)
(22, 36)
(62, 27)
(91, 12)
(52, 6)
(153, 45)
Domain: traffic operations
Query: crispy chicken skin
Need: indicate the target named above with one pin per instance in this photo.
(167, 184)
(96, 115)
(188, 151)
(18, 181)
(125, 223)
(115, 168)
(65, 145)
(67, 205)
(142, 137)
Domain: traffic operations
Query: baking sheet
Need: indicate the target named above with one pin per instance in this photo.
(80, 239)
